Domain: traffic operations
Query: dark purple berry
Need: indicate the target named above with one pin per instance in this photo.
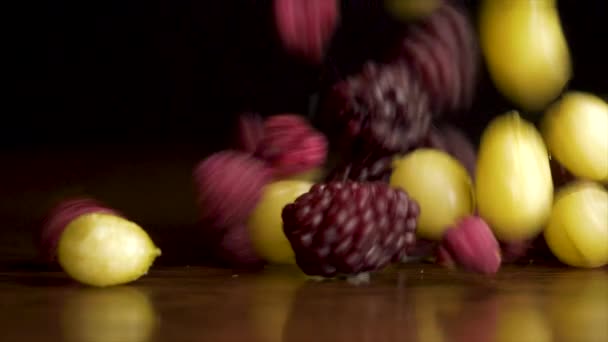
(367, 169)
(382, 110)
(347, 228)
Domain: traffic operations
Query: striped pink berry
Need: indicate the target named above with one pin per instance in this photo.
(228, 186)
(59, 217)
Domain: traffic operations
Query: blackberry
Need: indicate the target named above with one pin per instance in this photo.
(368, 169)
(347, 228)
(381, 110)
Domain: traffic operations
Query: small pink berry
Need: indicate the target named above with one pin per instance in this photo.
(306, 26)
(250, 131)
(228, 186)
(59, 217)
(472, 246)
(290, 145)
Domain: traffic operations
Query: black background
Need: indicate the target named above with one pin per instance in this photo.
(177, 71)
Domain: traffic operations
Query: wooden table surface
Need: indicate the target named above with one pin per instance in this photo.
(417, 302)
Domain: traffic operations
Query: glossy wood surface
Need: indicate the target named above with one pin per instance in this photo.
(408, 303)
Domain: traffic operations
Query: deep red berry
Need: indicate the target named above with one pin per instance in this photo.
(367, 169)
(381, 111)
(59, 217)
(471, 245)
(306, 26)
(290, 145)
(228, 186)
(347, 228)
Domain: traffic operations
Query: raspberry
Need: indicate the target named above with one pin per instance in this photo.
(229, 185)
(443, 51)
(250, 131)
(306, 26)
(382, 110)
(290, 145)
(59, 217)
(470, 245)
(347, 228)
(367, 169)
(234, 249)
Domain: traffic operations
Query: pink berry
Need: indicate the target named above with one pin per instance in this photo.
(290, 145)
(250, 131)
(306, 26)
(59, 217)
(472, 246)
(228, 186)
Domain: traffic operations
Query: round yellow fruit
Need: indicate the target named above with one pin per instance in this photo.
(525, 50)
(112, 314)
(266, 224)
(513, 188)
(577, 231)
(411, 9)
(576, 132)
(441, 186)
(104, 250)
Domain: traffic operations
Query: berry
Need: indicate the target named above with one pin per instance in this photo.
(291, 146)
(471, 245)
(443, 51)
(439, 184)
(235, 249)
(104, 250)
(382, 110)
(363, 170)
(59, 217)
(250, 131)
(229, 185)
(305, 27)
(265, 223)
(348, 228)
